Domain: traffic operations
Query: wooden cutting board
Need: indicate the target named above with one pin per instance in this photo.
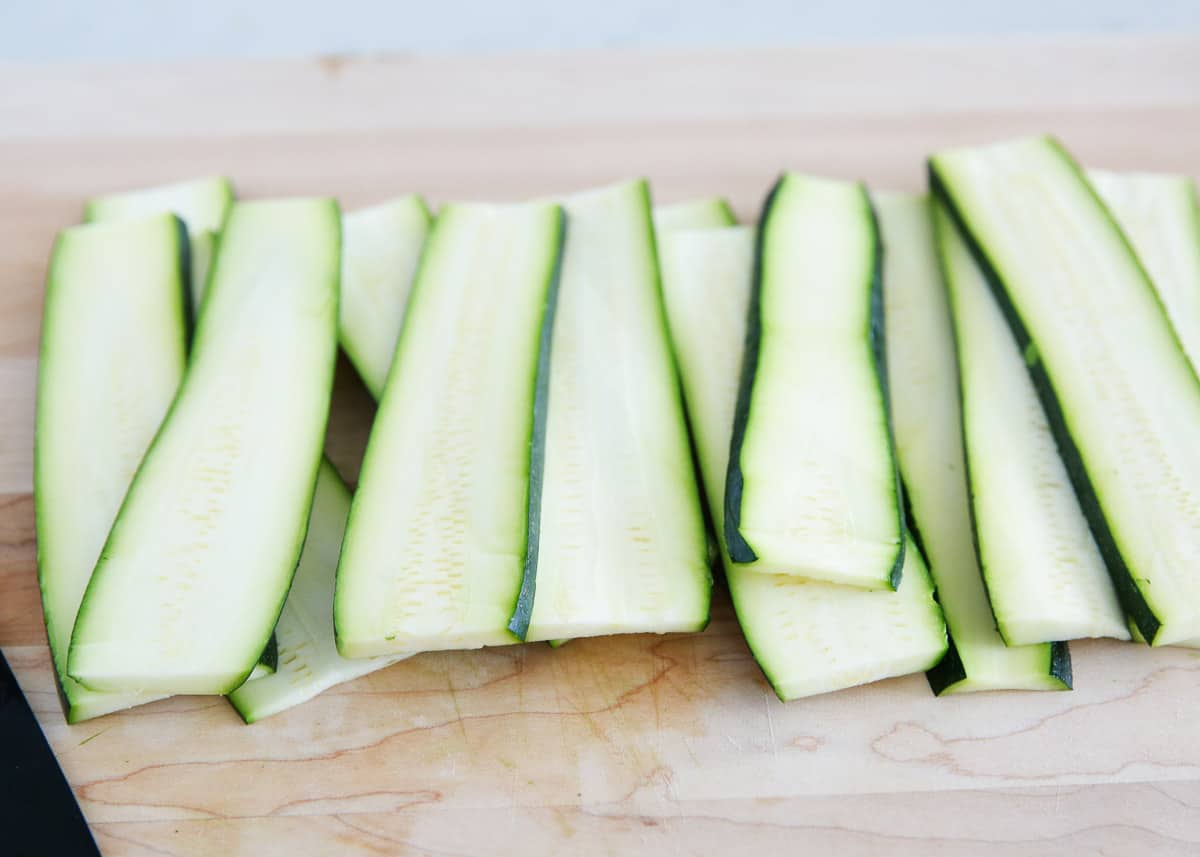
(620, 745)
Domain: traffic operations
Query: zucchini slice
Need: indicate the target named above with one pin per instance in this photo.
(621, 542)
(929, 446)
(194, 573)
(1160, 215)
(381, 247)
(203, 204)
(1120, 395)
(448, 497)
(694, 214)
(309, 662)
(1045, 578)
(812, 488)
(112, 356)
(808, 637)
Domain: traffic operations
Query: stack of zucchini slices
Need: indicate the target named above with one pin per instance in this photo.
(942, 433)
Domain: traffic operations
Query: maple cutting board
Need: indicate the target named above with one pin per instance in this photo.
(619, 745)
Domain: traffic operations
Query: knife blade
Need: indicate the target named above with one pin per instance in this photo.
(39, 816)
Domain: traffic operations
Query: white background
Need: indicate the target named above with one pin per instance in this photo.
(114, 30)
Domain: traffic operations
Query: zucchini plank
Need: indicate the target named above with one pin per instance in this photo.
(381, 247)
(1160, 215)
(622, 546)
(203, 204)
(447, 500)
(929, 446)
(1045, 578)
(808, 637)
(1120, 395)
(309, 662)
(812, 488)
(195, 571)
(112, 357)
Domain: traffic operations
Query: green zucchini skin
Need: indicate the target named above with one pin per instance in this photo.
(523, 607)
(1131, 598)
(738, 548)
(878, 340)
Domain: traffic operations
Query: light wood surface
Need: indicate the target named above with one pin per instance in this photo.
(624, 745)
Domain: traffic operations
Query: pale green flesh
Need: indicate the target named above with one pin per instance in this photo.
(819, 486)
(112, 356)
(381, 247)
(808, 637)
(1160, 215)
(199, 561)
(1045, 577)
(693, 214)
(202, 204)
(309, 662)
(923, 382)
(435, 546)
(622, 546)
(1129, 397)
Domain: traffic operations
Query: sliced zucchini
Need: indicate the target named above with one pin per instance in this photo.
(1160, 215)
(203, 204)
(381, 247)
(812, 488)
(448, 497)
(621, 541)
(694, 214)
(1045, 578)
(112, 356)
(929, 446)
(194, 573)
(808, 637)
(206, 202)
(309, 662)
(1121, 397)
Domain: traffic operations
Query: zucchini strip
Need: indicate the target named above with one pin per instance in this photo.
(381, 248)
(1121, 397)
(195, 571)
(812, 488)
(112, 356)
(1045, 578)
(447, 500)
(929, 445)
(621, 543)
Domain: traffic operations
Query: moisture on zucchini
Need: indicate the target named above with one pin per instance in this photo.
(112, 356)
(1045, 578)
(203, 204)
(1160, 215)
(1120, 395)
(808, 637)
(929, 447)
(192, 578)
(448, 497)
(693, 214)
(812, 488)
(621, 545)
(381, 247)
(309, 662)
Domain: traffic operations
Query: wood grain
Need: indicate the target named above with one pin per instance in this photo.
(624, 745)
